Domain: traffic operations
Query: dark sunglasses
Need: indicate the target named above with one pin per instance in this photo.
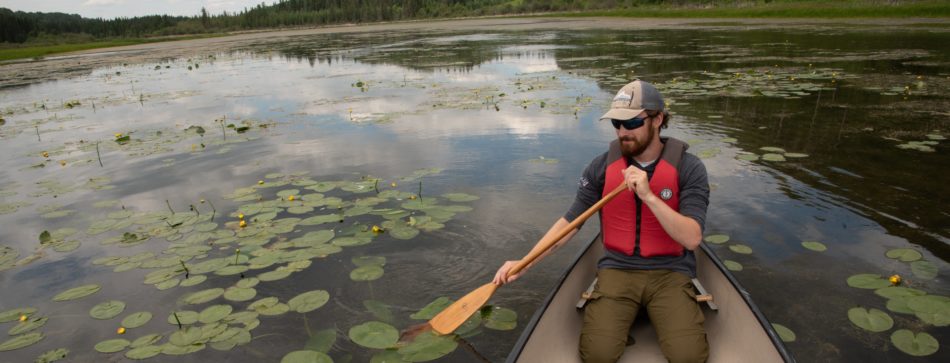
(629, 124)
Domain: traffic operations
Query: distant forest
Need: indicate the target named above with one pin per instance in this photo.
(19, 27)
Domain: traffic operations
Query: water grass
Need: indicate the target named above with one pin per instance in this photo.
(781, 9)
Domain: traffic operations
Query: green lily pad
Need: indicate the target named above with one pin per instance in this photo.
(186, 336)
(203, 296)
(145, 352)
(112, 345)
(275, 275)
(52, 356)
(815, 246)
(899, 305)
(146, 340)
(30, 324)
(868, 281)
(308, 301)
(186, 317)
(893, 292)
(351, 241)
(740, 248)
(263, 303)
(306, 356)
(136, 320)
(872, 320)
(717, 239)
(773, 157)
(904, 254)
(14, 314)
(214, 313)
(919, 345)
(924, 269)
(772, 149)
(193, 280)
(748, 156)
(402, 232)
(499, 318)
(435, 307)
(277, 309)
(796, 155)
(321, 341)
(374, 334)
(427, 347)
(77, 292)
(239, 293)
(107, 310)
(366, 273)
(247, 282)
(785, 333)
(459, 197)
(21, 341)
(732, 265)
(932, 309)
(321, 219)
(380, 310)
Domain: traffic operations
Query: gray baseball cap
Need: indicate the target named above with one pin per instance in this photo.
(632, 99)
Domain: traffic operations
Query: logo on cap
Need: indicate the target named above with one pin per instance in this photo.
(666, 194)
(622, 97)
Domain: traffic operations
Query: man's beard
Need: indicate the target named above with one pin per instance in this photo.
(636, 148)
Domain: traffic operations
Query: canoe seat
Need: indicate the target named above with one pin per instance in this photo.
(703, 296)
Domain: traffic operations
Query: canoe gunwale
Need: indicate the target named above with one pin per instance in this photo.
(763, 321)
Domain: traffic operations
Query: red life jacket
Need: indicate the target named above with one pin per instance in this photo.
(619, 217)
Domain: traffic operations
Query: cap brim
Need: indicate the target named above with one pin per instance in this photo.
(621, 114)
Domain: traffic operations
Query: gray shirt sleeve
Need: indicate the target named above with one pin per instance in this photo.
(694, 189)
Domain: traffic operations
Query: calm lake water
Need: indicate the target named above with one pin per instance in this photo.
(360, 124)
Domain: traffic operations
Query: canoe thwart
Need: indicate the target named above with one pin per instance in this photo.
(585, 296)
(704, 296)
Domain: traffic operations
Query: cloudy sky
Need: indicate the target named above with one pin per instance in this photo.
(127, 8)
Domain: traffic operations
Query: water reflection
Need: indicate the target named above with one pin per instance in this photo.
(481, 106)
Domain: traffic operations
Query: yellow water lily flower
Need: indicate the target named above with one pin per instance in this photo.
(290, 198)
(62, 162)
(895, 280)
(393, 184)
(376, 229)
(202, 201)
(23, 317)
(121, 330)
(45, 154)
(242, 224)
(413, 197)
(118, 135)
(260, 182)
(241, 216)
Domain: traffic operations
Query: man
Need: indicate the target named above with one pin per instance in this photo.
(649, 233)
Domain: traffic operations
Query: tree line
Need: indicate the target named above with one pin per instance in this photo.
(19, 26)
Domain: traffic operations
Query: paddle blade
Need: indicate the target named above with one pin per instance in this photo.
(456, 314)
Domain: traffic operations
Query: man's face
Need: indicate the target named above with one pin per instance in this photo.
(634, 142)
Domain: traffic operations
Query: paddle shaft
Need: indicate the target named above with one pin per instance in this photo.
(547, 243)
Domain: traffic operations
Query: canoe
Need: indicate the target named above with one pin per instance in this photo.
(737, 331)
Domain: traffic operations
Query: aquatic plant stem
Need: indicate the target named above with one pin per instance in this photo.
(237, 253)
(213, 211)
(37, 127)
(169, 206)
(98, 156)
(177, 320)
(420, 191)
(184, 267)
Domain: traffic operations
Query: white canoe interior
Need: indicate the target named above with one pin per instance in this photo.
(734, 332)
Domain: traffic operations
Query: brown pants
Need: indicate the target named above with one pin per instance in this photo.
(669, 299)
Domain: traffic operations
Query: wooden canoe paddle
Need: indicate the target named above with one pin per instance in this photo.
(456, 314)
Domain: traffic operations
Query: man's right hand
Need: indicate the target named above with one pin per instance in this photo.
(500, 275)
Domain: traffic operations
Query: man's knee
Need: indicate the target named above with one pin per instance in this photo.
(686, 349)
(600, 349)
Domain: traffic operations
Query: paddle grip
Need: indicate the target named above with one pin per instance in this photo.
(546, 244)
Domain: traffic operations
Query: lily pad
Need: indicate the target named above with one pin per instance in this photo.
(427, 347)
(366, 273)
(136, 320)
(52, 356)
(870, 319)
(868, 281)
(402, 232)
(748, 157)
(717, 239)
(186, 336)
(732, 265)
(30, 324)
(773, 157)
(306, 356)
(186, 317)
(796, 155)
(932, 309)
(112, 345)
(275, 275)
(369, 261)
(321, 341)
(904, 254)
(893, 292)
(14, 314)
(239, 293)
(146, 340)
(772, 149)
(21, 341)
(193, 280)
(815, 246)
(459, 197)
(214, 313)
(203, 296)
(500, 318)
(785, 333)
(145, 352)
(309, 301)
(435, 307)
(740, 248)
(924, 269)
(374, 334)
(107, 310)
(919, 345)
(77, 292)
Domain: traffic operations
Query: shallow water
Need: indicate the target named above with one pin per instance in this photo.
(508, 116)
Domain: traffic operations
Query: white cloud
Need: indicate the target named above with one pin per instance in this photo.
(103, 2)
